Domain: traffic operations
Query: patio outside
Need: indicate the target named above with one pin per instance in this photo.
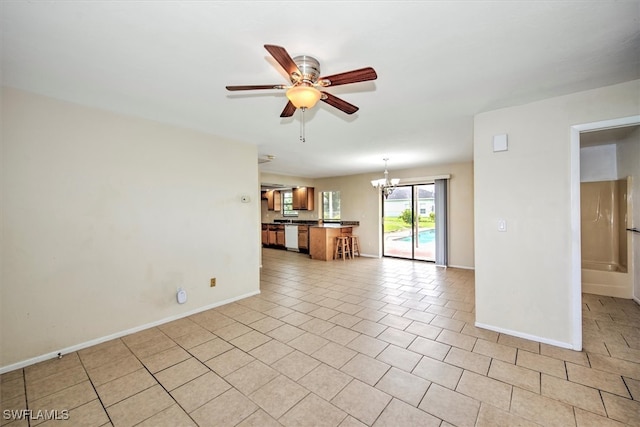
(396, 246)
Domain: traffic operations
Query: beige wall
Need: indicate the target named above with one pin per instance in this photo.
(524, 275)
(360, 202)
(105, 216)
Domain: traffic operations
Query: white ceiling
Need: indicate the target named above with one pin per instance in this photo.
(438, 62)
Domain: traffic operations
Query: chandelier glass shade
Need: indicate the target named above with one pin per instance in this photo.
(303, 96)
(385, 184)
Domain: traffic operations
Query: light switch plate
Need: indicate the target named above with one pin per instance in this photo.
(502, 225)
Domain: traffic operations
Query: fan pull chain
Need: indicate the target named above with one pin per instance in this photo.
(302, 135)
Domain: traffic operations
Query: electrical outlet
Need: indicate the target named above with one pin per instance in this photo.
(213, 282)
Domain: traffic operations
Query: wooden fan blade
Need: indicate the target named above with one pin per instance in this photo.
(355, 76)
(283, 58)
(340, 104)
(254, 87)
(288, 111)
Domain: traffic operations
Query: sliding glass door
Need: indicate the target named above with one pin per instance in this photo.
(409, 224)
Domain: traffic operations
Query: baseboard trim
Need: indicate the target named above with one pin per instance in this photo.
(526, 336)
(462, 267)
(86, 344)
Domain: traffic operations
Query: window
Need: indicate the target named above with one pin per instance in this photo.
(330, 205)
(287, 204)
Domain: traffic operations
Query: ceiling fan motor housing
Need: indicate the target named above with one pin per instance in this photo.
(309, 68)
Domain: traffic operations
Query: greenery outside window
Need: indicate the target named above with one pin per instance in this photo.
(287, 204)
(331, 205)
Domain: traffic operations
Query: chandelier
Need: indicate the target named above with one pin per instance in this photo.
(385, 184)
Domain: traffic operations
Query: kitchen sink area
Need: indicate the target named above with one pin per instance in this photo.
(294, 234)
(289, 234)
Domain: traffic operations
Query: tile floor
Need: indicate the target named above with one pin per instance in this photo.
(345, 343)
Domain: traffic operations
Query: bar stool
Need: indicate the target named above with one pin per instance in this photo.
(355, 245)
(343, 248)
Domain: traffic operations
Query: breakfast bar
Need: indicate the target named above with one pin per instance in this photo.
(322, 239)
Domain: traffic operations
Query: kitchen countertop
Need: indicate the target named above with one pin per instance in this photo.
(337, 225)
(296, 221)
(314, 222)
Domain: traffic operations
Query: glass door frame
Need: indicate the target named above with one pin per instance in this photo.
(416, 254)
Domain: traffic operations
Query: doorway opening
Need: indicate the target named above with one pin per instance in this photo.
(609, 167)
(576, 252)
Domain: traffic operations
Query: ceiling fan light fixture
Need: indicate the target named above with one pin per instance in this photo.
(304, 73)
(303, 96)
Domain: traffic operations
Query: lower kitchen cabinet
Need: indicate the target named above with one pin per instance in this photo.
(273, 235)
(303, 238)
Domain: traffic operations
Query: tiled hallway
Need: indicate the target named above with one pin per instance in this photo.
(381, 342)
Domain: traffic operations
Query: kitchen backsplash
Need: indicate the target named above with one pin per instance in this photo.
(270, 216)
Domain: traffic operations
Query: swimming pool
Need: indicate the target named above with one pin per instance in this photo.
(424, 236)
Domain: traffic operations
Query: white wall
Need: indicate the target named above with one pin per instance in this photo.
(524, 275)
(104, 216)
(598, 163)
(359, 201)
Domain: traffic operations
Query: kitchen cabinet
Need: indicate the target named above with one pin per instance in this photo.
(303, 238)
(303, 199)
(273, 235)
(280, 236)
(274, 200)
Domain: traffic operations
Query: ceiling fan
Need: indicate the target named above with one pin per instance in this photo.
(304, 72)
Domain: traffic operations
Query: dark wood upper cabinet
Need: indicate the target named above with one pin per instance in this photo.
(303, 199)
